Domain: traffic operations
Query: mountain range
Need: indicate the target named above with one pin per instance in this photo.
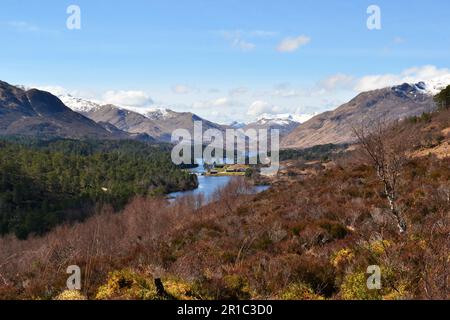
(284, 123)
(39, 113)
(158, 123)
(336, 127)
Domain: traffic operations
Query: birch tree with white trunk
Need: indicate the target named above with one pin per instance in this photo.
(387, 153)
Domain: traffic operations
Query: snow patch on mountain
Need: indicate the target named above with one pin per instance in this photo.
(283, 119)
(429, 87)
(436, 85)
(160, 114)
(237, 125)
(85, 106)
(78, 104)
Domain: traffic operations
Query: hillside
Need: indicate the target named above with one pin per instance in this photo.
(158, 124)
(336, 127)
(312, 236)
(284, 124)
(44, 183)
(39, 113)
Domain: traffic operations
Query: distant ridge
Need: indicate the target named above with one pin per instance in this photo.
(158, 124)
(39, 113)
(336, 127)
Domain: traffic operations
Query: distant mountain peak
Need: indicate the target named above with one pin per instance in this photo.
(34, 112)
(429, 87)
(160, 114)
(284, 118)
(336, 126)
(237, 125)
(79, 104)
(285, 123)
(436, 85)
(269, 117)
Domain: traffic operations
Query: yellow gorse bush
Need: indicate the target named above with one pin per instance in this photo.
(342, 256)
(299, 291)
(70, 295)
(127, 285)
(130, 285)
(379, 247)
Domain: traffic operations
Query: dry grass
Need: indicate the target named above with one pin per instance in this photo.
(309, 236)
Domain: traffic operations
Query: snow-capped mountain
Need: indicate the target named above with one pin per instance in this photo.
(85, 106)
(285, 118)
(336, 126)
(33, 112)
(436, 85)
(430, 87)
(160, 114)
(78, 104)
(157, 123)
(237, 125)
(285, 123)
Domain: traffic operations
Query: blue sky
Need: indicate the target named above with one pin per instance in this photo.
(222, 59)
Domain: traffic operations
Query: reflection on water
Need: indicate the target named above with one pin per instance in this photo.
(209, 185)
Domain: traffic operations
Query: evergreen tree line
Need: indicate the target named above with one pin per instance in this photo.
(47, 182)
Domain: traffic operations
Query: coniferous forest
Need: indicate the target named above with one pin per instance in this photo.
(214, 159)
(44, 183)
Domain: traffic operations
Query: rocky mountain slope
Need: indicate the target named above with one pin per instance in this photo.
(285, 124)
(336, 126)
(39, 113)
(158, 123)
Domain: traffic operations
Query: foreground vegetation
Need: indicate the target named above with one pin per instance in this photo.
(312, 236)
(321, 152)
(44, 183)
(310, 239)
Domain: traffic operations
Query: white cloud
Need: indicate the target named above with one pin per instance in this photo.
(239, 38)
(243, 45)
(260, 107)
(247, 103)
(137, 99)
(284, 90)
(61, 91)
(292, 44)
(55, 90)
(301, 118)
(378, 81)
(219, 102)
(337, 81)
(411, 75)
(373, 82)
(181, 89)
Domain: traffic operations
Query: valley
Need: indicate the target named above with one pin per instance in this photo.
(224, 159)
(210, 184)
(143, 228)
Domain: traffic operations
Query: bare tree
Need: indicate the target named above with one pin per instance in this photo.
(387, 153)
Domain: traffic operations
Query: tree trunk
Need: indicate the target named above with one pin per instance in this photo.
(401, 224)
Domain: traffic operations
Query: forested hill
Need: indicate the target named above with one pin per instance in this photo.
(43, 183)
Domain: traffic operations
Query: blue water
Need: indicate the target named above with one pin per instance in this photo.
(209, 185)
